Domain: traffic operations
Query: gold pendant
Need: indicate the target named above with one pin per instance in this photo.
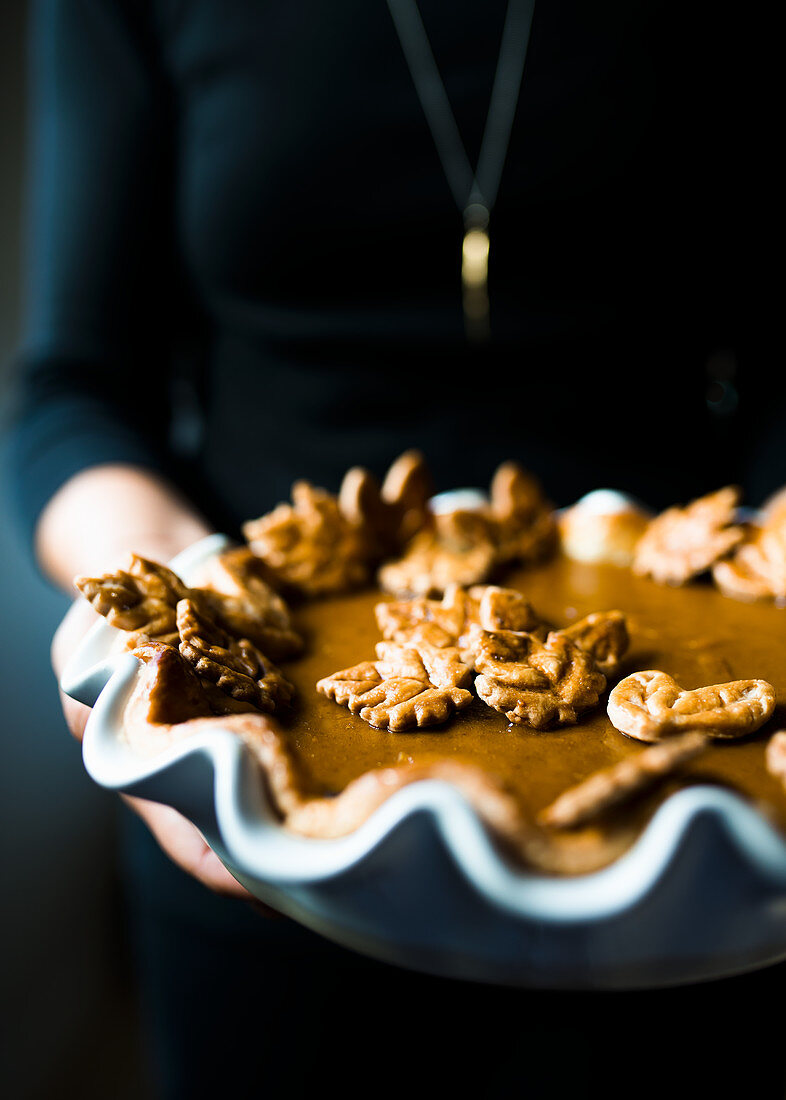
(474, 282)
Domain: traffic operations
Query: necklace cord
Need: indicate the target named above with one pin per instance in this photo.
(474, 192)
(504, 99)
(433, 97)
(478, 188)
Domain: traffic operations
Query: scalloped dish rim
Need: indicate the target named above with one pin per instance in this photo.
(257, 846)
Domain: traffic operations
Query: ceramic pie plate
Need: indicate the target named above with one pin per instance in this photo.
(701, 894)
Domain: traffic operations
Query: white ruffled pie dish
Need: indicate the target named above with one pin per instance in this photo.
(701, 894)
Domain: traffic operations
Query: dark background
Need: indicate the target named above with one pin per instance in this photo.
(66, 1014)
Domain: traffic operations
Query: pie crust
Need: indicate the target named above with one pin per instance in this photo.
(559, 788)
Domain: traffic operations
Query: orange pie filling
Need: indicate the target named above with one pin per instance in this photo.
(565, 698)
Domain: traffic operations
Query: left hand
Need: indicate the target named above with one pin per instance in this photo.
(178, 838)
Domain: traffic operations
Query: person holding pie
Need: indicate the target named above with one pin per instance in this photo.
(272, 243)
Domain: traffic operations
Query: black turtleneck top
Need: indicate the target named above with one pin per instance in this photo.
(244, 259)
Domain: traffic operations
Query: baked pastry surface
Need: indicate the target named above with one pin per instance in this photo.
(532, 688)
(693, 634)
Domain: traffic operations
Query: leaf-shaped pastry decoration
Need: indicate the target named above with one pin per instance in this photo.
(651, 705)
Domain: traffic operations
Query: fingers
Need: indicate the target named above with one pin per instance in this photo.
(185, 846)
(75, 624)
(73, 627)
(76, 715)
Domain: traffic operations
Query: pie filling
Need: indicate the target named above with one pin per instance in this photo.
(537, 713)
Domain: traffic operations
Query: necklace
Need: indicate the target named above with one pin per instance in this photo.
(474, 191)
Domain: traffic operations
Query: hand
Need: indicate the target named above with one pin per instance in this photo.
(88, 526)
(177, 837)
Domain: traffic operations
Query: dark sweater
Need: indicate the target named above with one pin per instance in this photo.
(244, 255)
